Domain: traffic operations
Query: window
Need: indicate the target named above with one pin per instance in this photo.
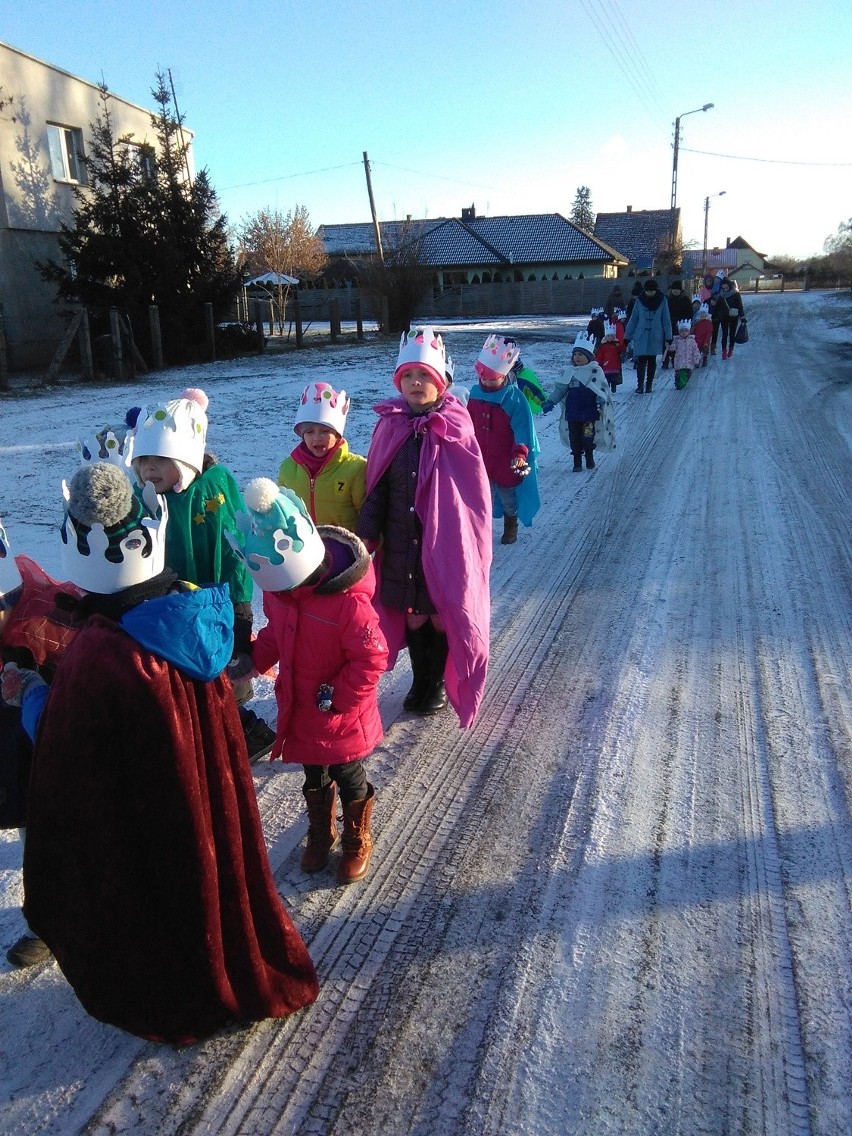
(66, 153)
(140, 157)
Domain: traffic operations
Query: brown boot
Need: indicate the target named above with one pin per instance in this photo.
(322, 830)
(510, 530)
(357, 840)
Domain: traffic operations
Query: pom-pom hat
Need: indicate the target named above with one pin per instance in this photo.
(497, 357)
(177, 430)
(322, 405)
(110, 538)
(584, 343)
(10, 577)
(276, 537)
(422, 347)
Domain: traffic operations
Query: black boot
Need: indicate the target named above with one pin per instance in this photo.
(435, 698)
(590, 456)
(510, 530)
(419, 643)
(578, 461)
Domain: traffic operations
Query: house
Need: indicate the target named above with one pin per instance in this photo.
(648, 238)
(483, 250)
(45, 129)
(737, 259)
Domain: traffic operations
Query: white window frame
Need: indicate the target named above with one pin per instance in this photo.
(65, 144)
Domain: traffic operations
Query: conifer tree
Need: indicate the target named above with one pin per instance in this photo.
(581, 211)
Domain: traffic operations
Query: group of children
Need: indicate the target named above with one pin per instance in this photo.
(123, 684)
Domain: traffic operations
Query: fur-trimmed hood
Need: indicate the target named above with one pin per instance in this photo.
(350, 560)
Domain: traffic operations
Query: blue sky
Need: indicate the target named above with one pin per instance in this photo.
(508, 106)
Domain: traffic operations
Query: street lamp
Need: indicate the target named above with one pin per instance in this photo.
(697, 110)
(721, 193)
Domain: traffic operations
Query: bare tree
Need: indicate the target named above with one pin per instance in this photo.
(283, 243)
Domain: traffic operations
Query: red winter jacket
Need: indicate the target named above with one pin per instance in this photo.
(702, 330)
(326, 633)
(608, 357)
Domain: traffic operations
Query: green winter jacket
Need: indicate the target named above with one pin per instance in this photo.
(336, 494)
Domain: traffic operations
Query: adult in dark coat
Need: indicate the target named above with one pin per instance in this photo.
(680, 308)
(649, 329)
(145, 868)
(730, 311)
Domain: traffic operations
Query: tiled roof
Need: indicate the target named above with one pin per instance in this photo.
(639, 234)
(544, 238)
(742, 243)
(724, 258)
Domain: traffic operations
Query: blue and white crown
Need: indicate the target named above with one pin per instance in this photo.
(609, 329)
(585, 343)
(109, 444)
(684, 325)
(276, 537)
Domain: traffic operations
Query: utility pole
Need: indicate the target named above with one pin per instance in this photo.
(376, 229)
(707, 106)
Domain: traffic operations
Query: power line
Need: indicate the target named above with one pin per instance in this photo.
(287, 177)
(436, 177)
(773, 161)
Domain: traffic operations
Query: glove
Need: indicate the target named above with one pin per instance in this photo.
(16, 682)
(241, 667)
(547, 406)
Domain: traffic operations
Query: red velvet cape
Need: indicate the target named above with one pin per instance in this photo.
(145, 869)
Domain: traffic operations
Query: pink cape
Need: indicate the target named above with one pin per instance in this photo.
(453, 502)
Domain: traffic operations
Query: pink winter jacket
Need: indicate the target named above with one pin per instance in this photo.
(686, 353)
(328, 633)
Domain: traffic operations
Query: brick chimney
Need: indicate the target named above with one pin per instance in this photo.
(468, 213)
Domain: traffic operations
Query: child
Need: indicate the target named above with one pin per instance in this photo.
(685, 354)
(608, 356)
(586, 399)
(680, 308)
(503, 425)
(429, 502)
(34, 633)
(323, 632)
(595, 326)
(145, 868)
(702, 330)
(321, 470)
(168, 450)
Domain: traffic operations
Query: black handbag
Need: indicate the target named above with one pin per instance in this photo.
(742, 333)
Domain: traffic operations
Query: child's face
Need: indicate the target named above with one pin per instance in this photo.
(492, 384)
(320, 440)
(418, 388)
(683, 332)
(161, 472)
(579, 358)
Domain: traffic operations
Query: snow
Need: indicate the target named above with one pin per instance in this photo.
(621, 903)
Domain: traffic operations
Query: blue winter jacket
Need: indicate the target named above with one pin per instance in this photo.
(649, 328)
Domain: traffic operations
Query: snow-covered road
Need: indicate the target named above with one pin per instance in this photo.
(621, 903)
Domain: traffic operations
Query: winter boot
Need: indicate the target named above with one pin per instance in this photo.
(435, 698)
(260, 737)
(590, 457)
(578, 461)
(322, 829)
(357, 839)
(419, 643)
(510, 530)
(731, 349)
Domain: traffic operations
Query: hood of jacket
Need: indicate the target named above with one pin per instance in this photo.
(192, 628)
(349, 560)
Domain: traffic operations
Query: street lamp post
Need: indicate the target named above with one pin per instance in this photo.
(721, 193)
(697, 110)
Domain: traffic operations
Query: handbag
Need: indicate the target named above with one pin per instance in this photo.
(742, 333)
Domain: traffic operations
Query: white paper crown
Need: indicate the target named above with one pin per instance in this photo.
(597, 311)
(422, 347)
(276, 537)
(176, 429)
(10, 577)
(585, 343)
(684, 325)
(106, 445)
(322, 405)
(609, 328)
(695, 297)
(498, 355)
(99, 562)
(620, 313)
(705, 308)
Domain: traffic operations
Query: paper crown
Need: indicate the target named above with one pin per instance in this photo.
(111, 539)
(422, 347)
(322, 405)
(176, 429)
(609, 329)
(497, 357)
(276, 537)
(620, 314)
(585, 343)
(597, 312)
(449, 368)
(10, 577)
(684, 325)
(107, 445)
(705, 308)
(695, 297)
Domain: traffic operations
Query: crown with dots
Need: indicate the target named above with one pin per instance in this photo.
(276, 537)
(497, 357)
(422, 347)
(111, 538)
(108, 444)
(322, 405)
(176, 429)
(585, 343)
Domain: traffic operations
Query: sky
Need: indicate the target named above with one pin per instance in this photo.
(506, 106)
